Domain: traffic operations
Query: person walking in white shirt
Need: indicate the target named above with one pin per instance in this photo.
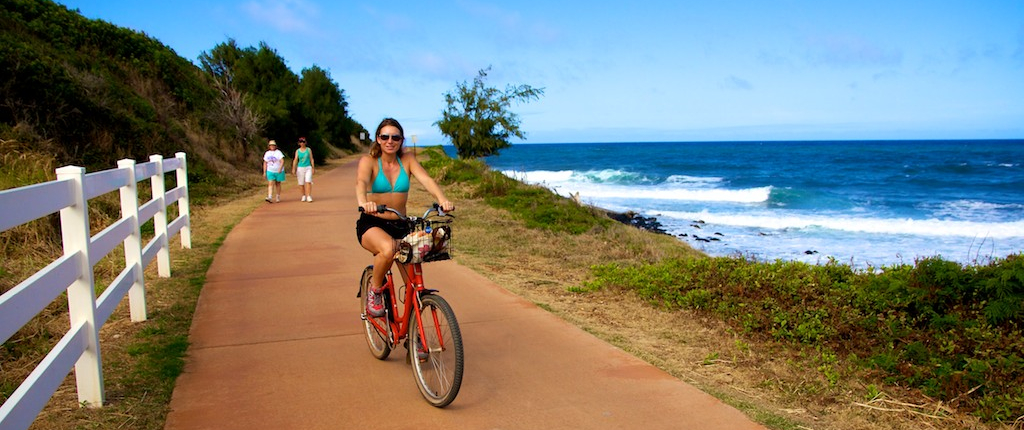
(273, 169)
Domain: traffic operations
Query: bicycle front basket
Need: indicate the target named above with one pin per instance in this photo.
(441, 234)
(416, 245)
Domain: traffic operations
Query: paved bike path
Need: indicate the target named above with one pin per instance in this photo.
(276, 343)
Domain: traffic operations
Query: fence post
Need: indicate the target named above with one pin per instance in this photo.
(163, 255)
(133, 243)
(183, 205)
(74, 227)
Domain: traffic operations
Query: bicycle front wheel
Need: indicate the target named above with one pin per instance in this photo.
(377, 330)
(437, 359)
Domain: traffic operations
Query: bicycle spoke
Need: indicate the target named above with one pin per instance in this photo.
(439, 375)
(442, 373)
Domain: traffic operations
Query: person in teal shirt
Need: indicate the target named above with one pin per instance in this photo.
(302, 168)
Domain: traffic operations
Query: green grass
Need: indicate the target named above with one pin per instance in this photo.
(952, 331)
(141, 360)
(538, 207)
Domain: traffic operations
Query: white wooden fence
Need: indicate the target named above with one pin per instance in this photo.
(73, 272)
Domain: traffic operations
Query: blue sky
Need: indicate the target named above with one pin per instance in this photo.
(649, 71)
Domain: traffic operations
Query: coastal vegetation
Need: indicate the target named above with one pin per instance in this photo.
(477, 119)
(75, 91)
(951, 331)
(91, 93)
(945, 331)
(791, 344)
(261, 96)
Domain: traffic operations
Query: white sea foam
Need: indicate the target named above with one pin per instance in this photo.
(923, 227)
(750, 195)
(693, 180)
(540, 176)
(804, 207)
(601, 184)
(972, 209)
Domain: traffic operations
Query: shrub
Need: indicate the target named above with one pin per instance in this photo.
(951, 331)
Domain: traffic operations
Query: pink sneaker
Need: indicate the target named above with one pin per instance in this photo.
(374, 303)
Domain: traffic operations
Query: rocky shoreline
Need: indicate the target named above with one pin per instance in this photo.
(652, 224)
(634, 219)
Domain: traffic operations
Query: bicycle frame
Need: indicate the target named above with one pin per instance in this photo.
(412, 276)
(435, 351)
(409, 304)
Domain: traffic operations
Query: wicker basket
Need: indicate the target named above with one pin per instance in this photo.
(429, 240)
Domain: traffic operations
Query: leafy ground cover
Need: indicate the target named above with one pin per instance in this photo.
(951, 331)
(777, 340)
(934, 343)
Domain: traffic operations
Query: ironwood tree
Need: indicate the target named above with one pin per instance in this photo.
(477, 119)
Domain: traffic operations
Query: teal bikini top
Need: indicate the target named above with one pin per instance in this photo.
(382, 185)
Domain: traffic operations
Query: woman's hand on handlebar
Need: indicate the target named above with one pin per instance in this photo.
(446, 206)
(370, 208)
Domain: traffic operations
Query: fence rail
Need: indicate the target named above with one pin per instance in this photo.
(72, 273)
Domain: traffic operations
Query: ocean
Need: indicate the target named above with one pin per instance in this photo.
(868, 204)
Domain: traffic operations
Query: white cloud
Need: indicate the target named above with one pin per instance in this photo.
(512, 27)
(850, 51)
(290, 16)
(737, 83)
(773, 59)
(432, 65)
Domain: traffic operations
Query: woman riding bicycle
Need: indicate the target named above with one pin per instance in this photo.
(383, 179)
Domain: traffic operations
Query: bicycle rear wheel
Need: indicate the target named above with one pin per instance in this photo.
(376, 339)
(439, 372)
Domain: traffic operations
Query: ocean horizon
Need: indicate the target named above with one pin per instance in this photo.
(864, 203)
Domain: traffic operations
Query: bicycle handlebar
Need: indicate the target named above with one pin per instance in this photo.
(433, 208)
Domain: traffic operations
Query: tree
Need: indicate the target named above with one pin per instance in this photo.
(268, 86)
(287, 105)
(323, 104)
(234, 107)
(477, 119)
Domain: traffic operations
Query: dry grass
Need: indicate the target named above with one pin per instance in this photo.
(775, 386)
(137, 390)
(133, 402)
(778, 387)
(135, 399)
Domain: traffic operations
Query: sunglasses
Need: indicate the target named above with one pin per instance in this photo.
(393, 137)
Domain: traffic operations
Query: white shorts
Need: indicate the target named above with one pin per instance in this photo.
(304, 174)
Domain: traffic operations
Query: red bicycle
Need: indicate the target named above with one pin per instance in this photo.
(416, 316)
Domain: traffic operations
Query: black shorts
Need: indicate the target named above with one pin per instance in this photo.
(396, 228)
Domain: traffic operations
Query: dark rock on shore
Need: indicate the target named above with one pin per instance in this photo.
(639, 221)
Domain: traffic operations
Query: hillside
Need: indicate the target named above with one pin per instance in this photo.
(934, 339)
(88, 93)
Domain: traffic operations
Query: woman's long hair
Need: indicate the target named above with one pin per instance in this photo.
(375, 150)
